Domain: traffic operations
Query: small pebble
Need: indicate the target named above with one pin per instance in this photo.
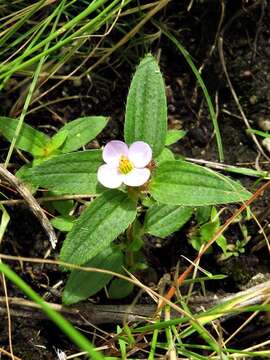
(264, 124)
(77, 82)
(266, 144)
(253, 99)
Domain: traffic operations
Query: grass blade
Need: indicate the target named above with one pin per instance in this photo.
(58, 319)
(212, 112)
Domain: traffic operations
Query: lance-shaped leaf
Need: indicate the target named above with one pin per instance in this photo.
(165, 155)
(162, 220)
(183, 183)
(81, 131)
(30, 140)
(63, 223)
(73, 173)
(103, 221)
(119, 288)
(173, 136)
(83, 284)
(146, 110)
(52, 147)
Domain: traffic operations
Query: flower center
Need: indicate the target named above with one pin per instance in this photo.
(125, 165)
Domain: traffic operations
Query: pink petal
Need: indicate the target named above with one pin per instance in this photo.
(113, 151)
(140, 154)
(137, 177)
(109, 176)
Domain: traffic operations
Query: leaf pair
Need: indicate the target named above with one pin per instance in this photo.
(89, 241)
(70, 137)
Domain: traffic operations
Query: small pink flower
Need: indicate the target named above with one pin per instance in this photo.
(125, 164)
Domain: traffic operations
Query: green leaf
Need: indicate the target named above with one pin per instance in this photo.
(83, 284)
(203, 214)
(30, 140)
(181, 183)
(64, 207)
(165, 155)
(146, 110)
(162, 220)
(122, 343)
(52, 145)
(258, 132)
(63, 223)
(222, 243)
(196, 242)
(56, 141)
(173, 136)
(206, 231)
(103, 221)
(148, 201)
(120, 289)
(81, 131)
(24, 170)
(73, 173)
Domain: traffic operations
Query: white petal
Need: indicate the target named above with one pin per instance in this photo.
(140, 154)
(113, 151)
(137, 177)
(109, 176)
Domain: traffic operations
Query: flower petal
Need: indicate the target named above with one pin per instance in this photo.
(140, 154)
(109, 176)
(137, 177)
(113, 151)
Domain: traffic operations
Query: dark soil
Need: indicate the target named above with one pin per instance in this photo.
(247, 56)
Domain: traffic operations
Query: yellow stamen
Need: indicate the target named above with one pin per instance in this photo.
(125, 165)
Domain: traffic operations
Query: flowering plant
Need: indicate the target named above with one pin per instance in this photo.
(138, 188)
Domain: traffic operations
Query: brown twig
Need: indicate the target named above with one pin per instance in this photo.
(85, 313)
(12, 202)
(32, 203)
(3, 280)
(3, 351)
(226, 167)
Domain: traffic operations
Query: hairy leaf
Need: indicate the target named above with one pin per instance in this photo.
(63, 223)
(181, 183)
(120, 289)
(162, 220)
(105, 218)
(83, 284)
(165, 155)
(174, 135)
(81, 131)
(146, 110)
(52, 147)
(73, 173)
(30, 139)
